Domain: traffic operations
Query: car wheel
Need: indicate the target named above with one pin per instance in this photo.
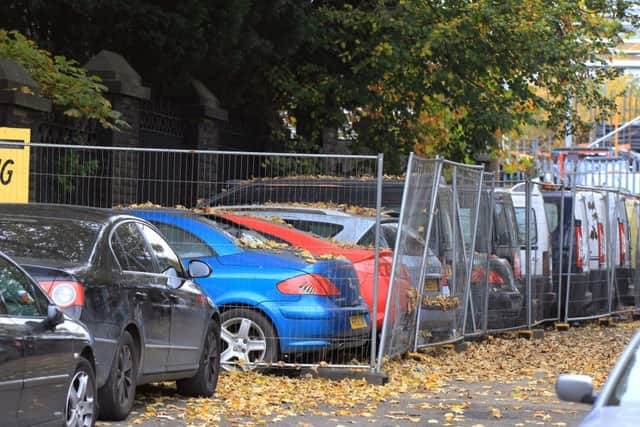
(80, 409)
(117, 395)
(204, 382)
(247, 338)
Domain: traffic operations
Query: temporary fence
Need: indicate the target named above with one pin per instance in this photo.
(434, 249)
(277, 308)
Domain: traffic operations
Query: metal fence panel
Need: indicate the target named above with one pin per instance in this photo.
(333, 324)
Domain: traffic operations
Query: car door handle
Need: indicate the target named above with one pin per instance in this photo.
(174, 298)
(140, 296)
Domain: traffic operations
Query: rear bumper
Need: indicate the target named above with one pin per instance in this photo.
(310, 327)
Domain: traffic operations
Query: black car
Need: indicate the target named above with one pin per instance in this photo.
(352, 191)
(46, 359)
(119, 276)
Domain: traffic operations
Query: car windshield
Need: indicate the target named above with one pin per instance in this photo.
(57, 240)
(627, 390)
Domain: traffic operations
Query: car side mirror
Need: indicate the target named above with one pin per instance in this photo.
(575, 388)
(199, 269)
(54, 315)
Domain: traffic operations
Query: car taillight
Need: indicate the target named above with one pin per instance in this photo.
(600, 243)
(308, 284)
(621, 240)
(479, 275)
(495, 278)
(579, 263)
(516, 264)
(65, 294)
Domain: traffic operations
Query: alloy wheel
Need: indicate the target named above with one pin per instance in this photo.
(80, 410)
(244, 343)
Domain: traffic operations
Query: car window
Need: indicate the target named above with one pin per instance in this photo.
(322, 229)
(19, 296)
(626, 391)
(130, 249)
(63, 240)
(522, 229)
(165, 256)
(186, 244)
(551, 210)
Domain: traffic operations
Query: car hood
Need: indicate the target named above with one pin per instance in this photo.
(613, 416)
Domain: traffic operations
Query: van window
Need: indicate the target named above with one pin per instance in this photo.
(522, 229)
(501, 227)
(553, 215)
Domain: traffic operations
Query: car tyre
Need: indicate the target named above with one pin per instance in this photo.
(247, 337)
(81, 408)
(204, 382)
(116, 396)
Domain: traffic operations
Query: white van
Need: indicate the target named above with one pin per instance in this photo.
(598, 233)
(540, 256)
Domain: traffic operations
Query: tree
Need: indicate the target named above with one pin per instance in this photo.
(439, 77)
(445, 76)
(62, 80)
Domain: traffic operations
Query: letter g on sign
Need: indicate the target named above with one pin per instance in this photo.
(5, 172)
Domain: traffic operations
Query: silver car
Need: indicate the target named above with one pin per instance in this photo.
(618, 404)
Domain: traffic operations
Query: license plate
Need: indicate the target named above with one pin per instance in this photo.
(431, 285)
(358, 322)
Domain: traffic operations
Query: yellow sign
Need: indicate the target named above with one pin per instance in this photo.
(14, 165)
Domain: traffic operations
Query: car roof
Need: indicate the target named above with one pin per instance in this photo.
(62, 212)
(283, 208)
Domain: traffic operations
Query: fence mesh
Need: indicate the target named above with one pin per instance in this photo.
(287, 298)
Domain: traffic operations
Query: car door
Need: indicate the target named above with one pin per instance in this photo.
(12, 333)
(46, 354)
(147, 290)
(188, 314)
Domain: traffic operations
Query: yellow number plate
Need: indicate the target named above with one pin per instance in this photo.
(431, 285)
(358, 322)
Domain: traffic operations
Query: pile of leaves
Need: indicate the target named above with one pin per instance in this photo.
(440, 302)
(250, 398)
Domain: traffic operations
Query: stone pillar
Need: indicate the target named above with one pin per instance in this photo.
(22, 106)
(204, 118)
(126, 94)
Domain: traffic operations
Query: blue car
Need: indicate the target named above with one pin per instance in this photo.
(273, 306)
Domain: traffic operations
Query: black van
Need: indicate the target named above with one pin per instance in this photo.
(578, 265)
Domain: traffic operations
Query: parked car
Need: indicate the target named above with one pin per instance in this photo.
(363, 259)
(496, 250)
(539, 263)
(47, 374)
(326, 222)
(353, 191)
(280, 304)
(118, 275)
(618, 402)
(563, 236)
(353, 229)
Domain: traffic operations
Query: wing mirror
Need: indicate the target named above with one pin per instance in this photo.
(199, 269)
(575, 388)
(54, 315)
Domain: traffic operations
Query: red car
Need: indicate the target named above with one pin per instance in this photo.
(363, 259)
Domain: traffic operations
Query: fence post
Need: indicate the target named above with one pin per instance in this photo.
(528, 263)
(396, 259)
(376, 268)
